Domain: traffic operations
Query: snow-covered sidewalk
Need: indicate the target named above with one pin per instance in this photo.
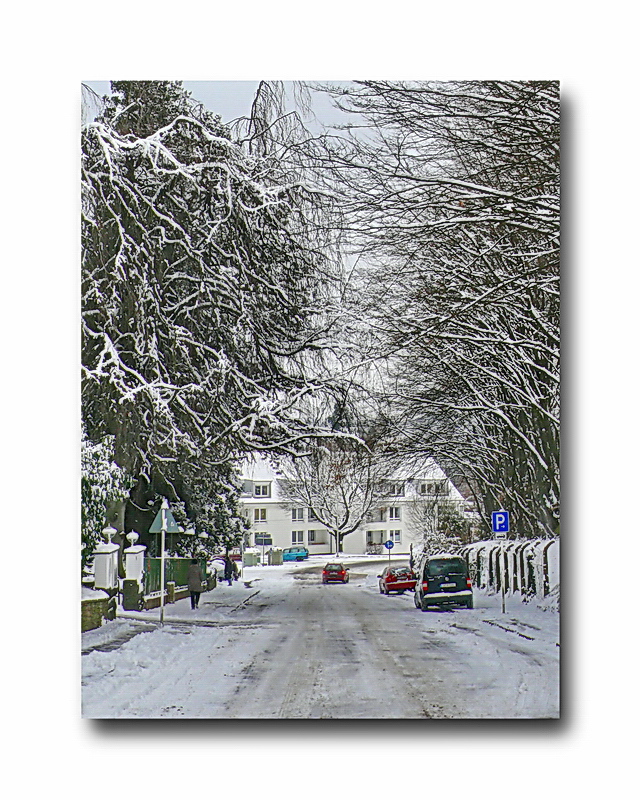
(218, 603)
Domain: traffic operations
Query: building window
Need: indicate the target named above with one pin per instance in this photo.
(259, 514)
(311, 537)
(397, 489)
(297, 514)
(376, 515)
(375, 537)
(434, 487)
(297, 537)
(311, 515)
(395, 536)
(262, 489)
(394, 512)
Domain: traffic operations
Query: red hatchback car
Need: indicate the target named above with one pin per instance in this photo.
(335, 572)
(396, 579)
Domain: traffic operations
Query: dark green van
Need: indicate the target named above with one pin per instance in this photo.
(443, 580)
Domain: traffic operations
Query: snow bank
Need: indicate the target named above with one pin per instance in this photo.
(93, 594)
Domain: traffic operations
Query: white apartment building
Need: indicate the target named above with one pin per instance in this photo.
(276, 522)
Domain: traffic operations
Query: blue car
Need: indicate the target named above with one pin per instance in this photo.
(295, 554)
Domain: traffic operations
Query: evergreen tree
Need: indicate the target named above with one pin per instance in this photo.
(200, 285)
(102, 483)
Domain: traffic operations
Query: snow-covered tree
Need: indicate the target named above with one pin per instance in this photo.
(437, 525)
(341, 481)
(451, 194)
(201, 282)
(217, 528)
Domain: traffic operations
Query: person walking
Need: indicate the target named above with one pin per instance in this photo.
(228, 569)
(195, 579)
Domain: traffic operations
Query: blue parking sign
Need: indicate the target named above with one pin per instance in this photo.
(388, 544)
(500, 521)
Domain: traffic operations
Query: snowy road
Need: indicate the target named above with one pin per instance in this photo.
(285, 646)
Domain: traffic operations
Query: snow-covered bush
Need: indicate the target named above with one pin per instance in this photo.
(438, 525)
(103, 481)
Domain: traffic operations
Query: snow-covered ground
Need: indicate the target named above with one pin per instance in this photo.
(279, 644)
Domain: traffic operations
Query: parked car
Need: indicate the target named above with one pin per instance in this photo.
(443, 580)
(216, 567)
(335, 572)
(295, 554)
(396, 579)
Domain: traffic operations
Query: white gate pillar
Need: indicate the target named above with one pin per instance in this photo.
(106, 562)
(134, 559)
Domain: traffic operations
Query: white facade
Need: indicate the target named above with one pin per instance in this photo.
(276, 522)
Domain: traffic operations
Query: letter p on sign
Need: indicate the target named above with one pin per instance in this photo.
(500, 520)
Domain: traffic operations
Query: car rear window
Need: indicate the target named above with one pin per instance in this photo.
(400, 571)
(445, 566)
(334, 567)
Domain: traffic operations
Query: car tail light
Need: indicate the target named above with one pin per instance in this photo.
(425, 586)
(468, 583)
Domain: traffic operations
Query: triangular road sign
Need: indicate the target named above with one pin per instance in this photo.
(171, 525)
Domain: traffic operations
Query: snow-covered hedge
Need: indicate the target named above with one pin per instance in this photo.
(530, 567)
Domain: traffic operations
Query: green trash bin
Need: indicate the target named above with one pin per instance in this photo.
(132, 598)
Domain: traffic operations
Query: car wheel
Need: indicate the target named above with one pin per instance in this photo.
(380, 589)
(470, 602)
(299, 558)
(401, 591)
(386, 591)
(423, 605)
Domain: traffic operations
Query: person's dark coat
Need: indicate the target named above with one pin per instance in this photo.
(228, 569)
(195, 578)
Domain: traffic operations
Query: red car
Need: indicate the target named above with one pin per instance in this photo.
(335, 572)
(396, 579)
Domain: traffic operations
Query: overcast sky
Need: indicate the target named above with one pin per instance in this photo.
(232, 99)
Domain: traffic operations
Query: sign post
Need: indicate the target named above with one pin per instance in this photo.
(163, 529)
(500, 527)
(163, 523)
(389, 544)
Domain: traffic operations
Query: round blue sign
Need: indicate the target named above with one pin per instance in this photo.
(388, 544)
